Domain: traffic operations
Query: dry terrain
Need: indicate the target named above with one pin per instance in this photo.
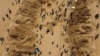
(49, 28)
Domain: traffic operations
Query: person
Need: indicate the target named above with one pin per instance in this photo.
(37, 50)
(98, 5)
(1, 38)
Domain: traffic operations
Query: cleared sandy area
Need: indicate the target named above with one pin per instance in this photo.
(51, 43)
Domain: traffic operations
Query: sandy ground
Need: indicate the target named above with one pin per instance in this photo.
(46, 45)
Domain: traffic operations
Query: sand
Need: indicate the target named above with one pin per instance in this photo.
(44, 43)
